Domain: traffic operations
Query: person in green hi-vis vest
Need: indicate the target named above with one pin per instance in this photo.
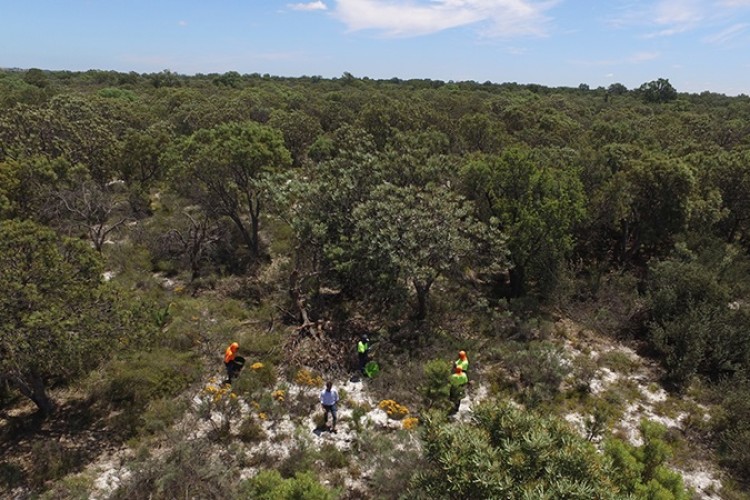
(458, 380)
(463, 362)
(363, 347)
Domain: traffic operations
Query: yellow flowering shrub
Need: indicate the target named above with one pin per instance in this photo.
(219, 405)
(279, 395)
(307, 378)
(410, 423)
(393, 409)
(256, 366)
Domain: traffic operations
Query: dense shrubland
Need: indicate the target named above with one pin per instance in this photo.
(146, 220)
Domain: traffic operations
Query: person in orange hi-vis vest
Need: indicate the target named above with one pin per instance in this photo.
(231, 361)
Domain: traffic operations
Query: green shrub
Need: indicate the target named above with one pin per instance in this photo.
(617, 361)
(254, 380)
(300, 459)
(539, 368)
(602, 415)
(332, 457)
(641, 470)
(733, 427)
(132, 383)
(11, 475)
(52, 460)
(270, 485)
(250, 431)
(507, 452)
(189, 470)
(394, 472)
(160, 414)
(75, 487)
(144, 376)
(358, 411)
(436, 388)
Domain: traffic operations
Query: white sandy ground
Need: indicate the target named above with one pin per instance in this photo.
(701, 477)
(284, 434)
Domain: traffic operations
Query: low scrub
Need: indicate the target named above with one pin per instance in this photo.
(189, 470)
(270, 485)
(136, 384)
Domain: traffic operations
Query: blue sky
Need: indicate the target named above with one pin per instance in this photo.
(697, 44)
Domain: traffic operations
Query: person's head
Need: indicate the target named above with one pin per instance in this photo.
(234, 346)
(329, 385)
(364, 338)
(462, 354)
(459, 370)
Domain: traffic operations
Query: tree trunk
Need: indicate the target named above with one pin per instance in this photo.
(622, 244)
(517, 276)
(246, 237)
(32, 386)
(255, 221)
(423, 291)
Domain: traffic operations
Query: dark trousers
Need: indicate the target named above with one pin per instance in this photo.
(456, 395)
(232, 370)
(332, 410)
(362, 361)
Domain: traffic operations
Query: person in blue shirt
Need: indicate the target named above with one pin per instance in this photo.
(329, 397)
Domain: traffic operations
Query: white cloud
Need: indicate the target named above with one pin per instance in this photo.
(635, 58)
(182, 23)
(319, 5)
(677, 16)
(642, 56)
(420, 17)
(673, 17)
(726, 34)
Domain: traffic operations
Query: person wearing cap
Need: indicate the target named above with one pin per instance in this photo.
(230, 356)
(458, 380)
(363, 348)
(463, 362)
(329, 397)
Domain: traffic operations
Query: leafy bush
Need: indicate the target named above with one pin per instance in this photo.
(733, 427)
(692, 326)
(73, 487)
(52, 460)
(254, 379)
(510, 453)
(11, 475)
(189, 470)
(539, 368)
(270, 485)
(130, 384)
(617, 361)
(250, 431)
(161, 413)
(641, 470)
(332, 457)
(436, 388)
(300, 459)
(219, 405)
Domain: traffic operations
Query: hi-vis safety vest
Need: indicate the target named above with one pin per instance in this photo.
(457, 380)
(463, 363)
(362, 347)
